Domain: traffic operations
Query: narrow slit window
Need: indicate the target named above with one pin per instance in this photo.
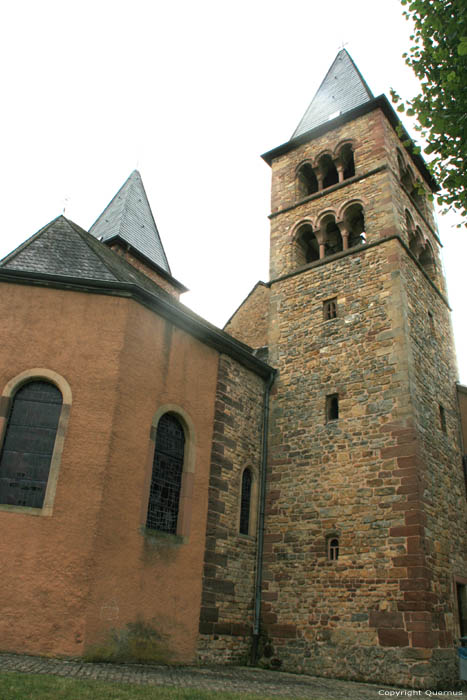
(442, 418)
(332, 407)
(333, 549)
(462, 607)
(245, 503)
(330, 309)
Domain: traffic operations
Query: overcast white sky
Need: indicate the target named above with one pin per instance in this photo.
(190, 93)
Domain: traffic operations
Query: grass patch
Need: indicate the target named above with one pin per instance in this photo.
(44, 687)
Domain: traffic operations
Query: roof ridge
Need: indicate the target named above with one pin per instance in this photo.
(29, 240)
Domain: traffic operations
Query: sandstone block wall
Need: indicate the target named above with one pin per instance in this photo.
(369, 187)
(226, 618)
(443, 542)
(250, 322)
(357, 478)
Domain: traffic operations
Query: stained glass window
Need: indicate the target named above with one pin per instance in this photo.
(166, 479)
(29, 443)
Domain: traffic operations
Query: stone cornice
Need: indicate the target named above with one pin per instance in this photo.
(356, 250)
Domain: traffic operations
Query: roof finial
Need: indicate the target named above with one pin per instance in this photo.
(66, 201)
(343, 45)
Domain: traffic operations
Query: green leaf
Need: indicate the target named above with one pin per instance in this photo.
(401, 108)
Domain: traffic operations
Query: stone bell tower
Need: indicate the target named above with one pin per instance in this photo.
(366, 507)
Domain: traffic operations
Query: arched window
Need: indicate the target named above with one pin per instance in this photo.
(245, 502)
(307, 182)
(354, 221)
(400, 165)
(347, 160)
(328, 171)
(333, 548)
(333, 236)
(164, 495)
(427, 260)
(418, 195)
(408, 180)
(29, 443)
(307, 248)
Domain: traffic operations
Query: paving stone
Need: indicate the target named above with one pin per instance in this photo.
(235, 679)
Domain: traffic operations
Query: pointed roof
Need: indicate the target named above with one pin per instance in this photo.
(129, 217)
(63, 250)
(342, 89)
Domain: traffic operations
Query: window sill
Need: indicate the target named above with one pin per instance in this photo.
(244, 536)
(25, 510)
(163, 538)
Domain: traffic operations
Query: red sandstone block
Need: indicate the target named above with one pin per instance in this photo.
(409, 560)
(240, 629)
(406, 506)
(393, 638)
(420, 616)
(413, 489)
(419, 572)
(406, 450)
(273, 538)
(415, 544)
(385, 619)
(412, 605)
(426, 640)
(415, 516)
(415, 584)
(269, 618)
(419, 626)
(406, 462)
(405, 530)
(289, 631)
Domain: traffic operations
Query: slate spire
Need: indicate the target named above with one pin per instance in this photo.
(342, 89)
(128, 217)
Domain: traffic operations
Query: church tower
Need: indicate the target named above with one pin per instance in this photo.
(366, 509)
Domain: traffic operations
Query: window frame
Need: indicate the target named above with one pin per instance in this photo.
(327, 305)
(332, 551)
(185, 504)
(9, 392)
(330, 398)
(253, 518)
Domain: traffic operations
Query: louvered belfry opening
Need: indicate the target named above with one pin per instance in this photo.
(29, 443)
(245, 503)
(164, 496)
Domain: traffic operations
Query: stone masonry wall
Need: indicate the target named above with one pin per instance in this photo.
(249, 323)
(229, 567)
(462, 401)
(444, 541)
(349, 478)
(370, 187)
(165, 284)
(402, 202)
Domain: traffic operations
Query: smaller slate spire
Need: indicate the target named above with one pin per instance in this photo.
(342, 89)
(129, 218)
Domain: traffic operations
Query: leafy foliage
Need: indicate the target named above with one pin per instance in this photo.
(438, 58)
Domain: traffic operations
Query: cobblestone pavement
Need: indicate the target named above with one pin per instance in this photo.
(215, 678)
